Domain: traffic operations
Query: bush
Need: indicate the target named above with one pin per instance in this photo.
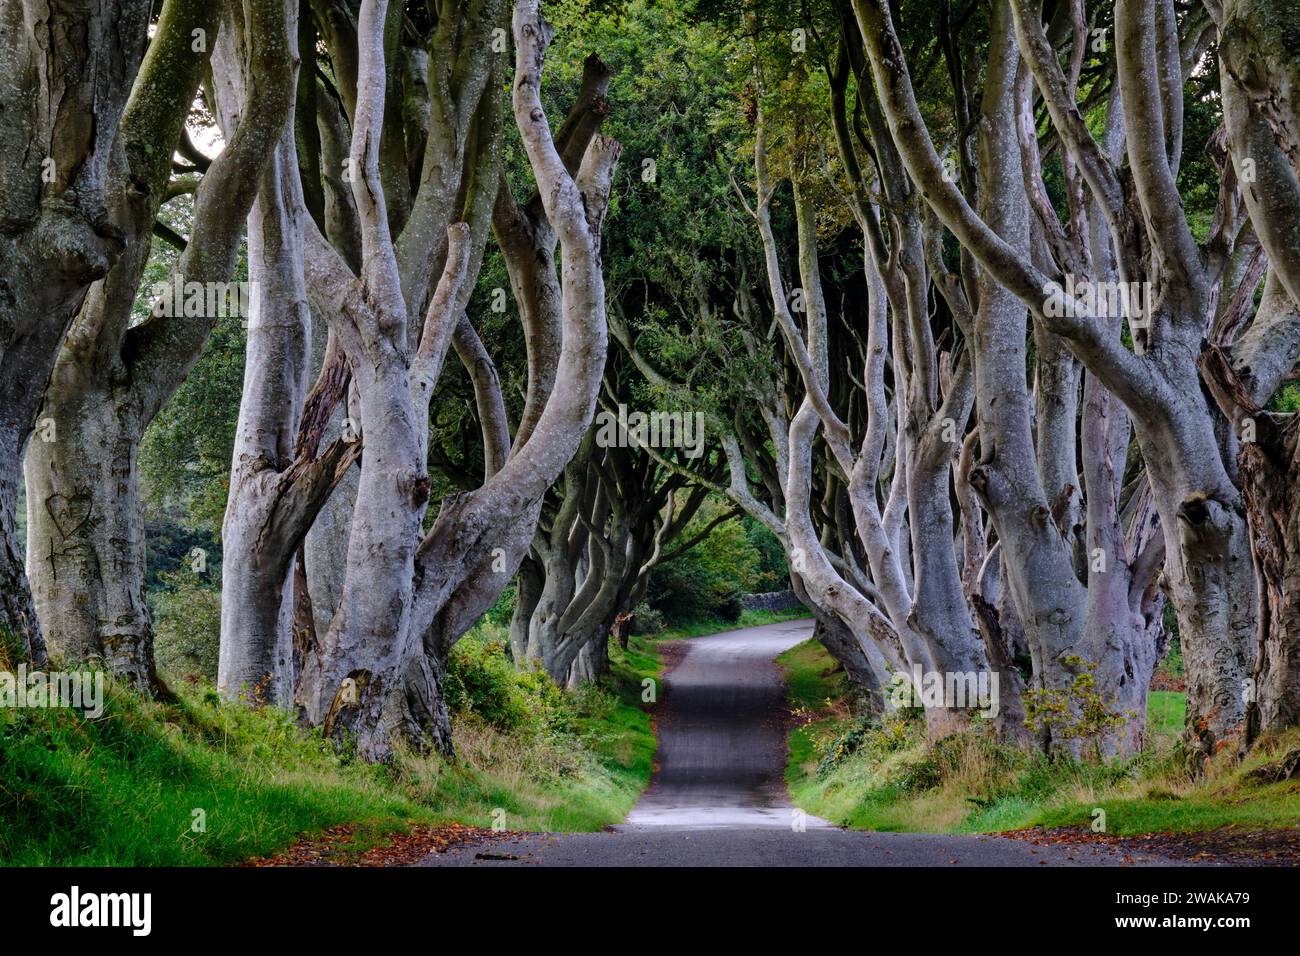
(773, 573)
(646, 620)
(1078, 712)
(500, 613)
(709, 581)
(482, 680)
(594, 701)
(866, 734)
(187, 625)
(729, 607)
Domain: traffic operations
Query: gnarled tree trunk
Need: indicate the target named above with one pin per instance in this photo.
(86, 548)
(65, 74)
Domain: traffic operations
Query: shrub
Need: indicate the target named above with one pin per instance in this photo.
(594, 701)
(1077, 712)
(868, 735)
(500, 613)
(187, 625)
(730, 607)
(918, 776)
(710, 580)
(646, 620)
(773, 572)
(482, 680)
(1172, 664)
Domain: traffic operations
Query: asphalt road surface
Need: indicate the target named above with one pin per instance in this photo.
(718, 795)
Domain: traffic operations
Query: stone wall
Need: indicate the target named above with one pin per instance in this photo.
(771, 601)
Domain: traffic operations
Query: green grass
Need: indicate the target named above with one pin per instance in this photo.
(123, 790)
(1165, 811)
(889, 777)
(811, 677)
(1166, 714)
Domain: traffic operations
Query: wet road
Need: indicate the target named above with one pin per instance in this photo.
(718, 795)
(722, 750)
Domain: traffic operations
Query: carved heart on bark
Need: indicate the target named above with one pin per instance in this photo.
(69, 514)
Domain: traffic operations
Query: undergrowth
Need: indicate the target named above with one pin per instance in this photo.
(198, 781)
(884, 774)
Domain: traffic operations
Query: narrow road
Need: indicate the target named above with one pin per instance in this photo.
(718, 795)
(722, 750)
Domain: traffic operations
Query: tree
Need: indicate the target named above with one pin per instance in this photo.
(1258, 81)
(1189, 455)
(85, 530)
(62, 92)
(406, 596)
(894, 578)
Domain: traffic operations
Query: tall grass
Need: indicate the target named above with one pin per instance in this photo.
(199, 781)
(886, 775)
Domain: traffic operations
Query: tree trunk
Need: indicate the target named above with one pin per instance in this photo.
(86, 537)
(592, 662)
(20, 634)
(260, 542)
(844, 647)
(1270, 476)
(85, 528)
(66, 71)
(372, 678)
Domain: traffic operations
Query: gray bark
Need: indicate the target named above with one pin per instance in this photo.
(86, 544)
(1200, 510)
(374, 675)
(65, 76)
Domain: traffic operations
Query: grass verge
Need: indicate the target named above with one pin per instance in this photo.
(885, 775)
(200, 782)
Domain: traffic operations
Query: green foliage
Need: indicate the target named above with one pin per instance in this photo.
(773, 572)
(709, 581)
(187, 625)
(123, 790)
(500, 613)
(185, 455)
(169, 543)
(646, 620)
(858, 772)
(1077, 712)
(186, 450)
(866, 734)
(1198, 175)
(481, 678)
(1286, 400)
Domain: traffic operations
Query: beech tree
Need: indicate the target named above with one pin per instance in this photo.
(989, 311)
(1068, 571)
(85, 535)
(406, 596)
(617, 515)
(63, 89)
(1244, 366)
(1189, 455)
